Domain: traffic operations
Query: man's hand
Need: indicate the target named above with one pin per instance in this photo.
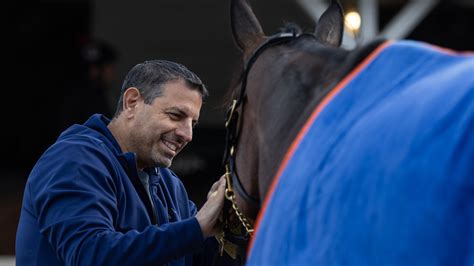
(208, 216)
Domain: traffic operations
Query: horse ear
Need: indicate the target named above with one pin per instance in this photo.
(245, 26)
(330, 26)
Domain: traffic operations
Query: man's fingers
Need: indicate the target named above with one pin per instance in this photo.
(220, 188)
(216, 186)
(208, 215)
(213, 194)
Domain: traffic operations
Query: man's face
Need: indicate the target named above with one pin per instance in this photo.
(162, 129)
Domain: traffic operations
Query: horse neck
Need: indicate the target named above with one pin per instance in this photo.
(292, 104)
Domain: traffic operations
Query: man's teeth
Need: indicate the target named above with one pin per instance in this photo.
(170, 145)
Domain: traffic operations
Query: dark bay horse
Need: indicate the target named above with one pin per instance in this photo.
(362, 157)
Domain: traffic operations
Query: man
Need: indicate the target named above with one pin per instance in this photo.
(103, 193)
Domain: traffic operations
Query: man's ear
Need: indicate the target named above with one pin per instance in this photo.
(131, 99)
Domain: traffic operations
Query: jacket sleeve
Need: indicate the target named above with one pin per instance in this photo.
(209, 253)
(75, 201)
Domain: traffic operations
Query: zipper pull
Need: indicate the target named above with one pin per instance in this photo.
(221, 240)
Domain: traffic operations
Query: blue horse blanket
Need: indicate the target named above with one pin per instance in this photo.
(384, 174)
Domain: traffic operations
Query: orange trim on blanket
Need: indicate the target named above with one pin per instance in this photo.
(294, 145)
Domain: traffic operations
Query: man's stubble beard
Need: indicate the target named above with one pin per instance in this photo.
(158, 159)
(148, 155)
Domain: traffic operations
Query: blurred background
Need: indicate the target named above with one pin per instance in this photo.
(60, 52)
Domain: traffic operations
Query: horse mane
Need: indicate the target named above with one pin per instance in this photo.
(359, 54)
(290, 27)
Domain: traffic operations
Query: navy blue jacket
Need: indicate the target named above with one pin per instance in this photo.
(85, 205)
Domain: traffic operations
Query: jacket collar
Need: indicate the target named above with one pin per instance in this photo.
(99, 123)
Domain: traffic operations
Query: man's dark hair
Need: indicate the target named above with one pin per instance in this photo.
(149, 77)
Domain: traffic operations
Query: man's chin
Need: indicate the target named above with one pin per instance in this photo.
(164, 162)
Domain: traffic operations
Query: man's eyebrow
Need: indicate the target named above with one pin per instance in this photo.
(182, 111)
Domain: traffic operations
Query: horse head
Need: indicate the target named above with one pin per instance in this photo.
(284, 76)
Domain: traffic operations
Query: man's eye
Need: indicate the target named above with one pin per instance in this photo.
(174, 116)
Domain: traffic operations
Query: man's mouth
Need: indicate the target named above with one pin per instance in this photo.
(170, 145)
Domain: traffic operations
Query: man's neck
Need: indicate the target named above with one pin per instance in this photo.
(116, 127)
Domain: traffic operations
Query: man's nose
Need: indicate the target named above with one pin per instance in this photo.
(185, 131)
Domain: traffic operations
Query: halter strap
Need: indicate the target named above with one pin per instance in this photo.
(232, 134)
(232, 115)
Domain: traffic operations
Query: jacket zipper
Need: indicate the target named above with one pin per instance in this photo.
(153, 202)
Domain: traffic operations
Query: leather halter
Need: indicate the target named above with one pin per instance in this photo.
(230, 235)
(232, 115)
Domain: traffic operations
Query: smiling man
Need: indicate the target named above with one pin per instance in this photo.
(103, 193)
(156, 130)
